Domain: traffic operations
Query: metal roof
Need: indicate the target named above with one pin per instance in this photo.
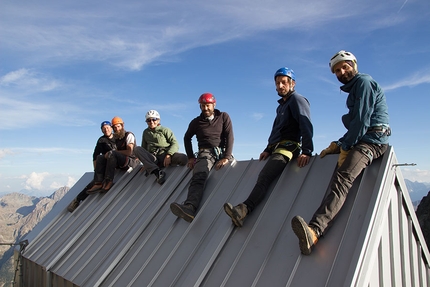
(129, 237)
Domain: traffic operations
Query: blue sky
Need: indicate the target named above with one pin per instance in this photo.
(66, 66)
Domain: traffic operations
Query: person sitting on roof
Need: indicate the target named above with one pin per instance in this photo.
(214, 132)
(291, 137)
(123, 157)
(104, 144)
(366, 139)
(159, 148)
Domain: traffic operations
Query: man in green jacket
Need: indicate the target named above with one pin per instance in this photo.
(159, 148)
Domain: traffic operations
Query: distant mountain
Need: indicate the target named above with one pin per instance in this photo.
(19, 213)
(423, 215)
(417, 190)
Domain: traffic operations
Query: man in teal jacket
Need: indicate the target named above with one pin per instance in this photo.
(159, 148)
(366, 139)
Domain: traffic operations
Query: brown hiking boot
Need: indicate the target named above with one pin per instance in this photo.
(96, 187)
(107, 184)
(237, 213)
(308, 237)
(184, 211)
(73, 205)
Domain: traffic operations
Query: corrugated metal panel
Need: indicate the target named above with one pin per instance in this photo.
(128, 237)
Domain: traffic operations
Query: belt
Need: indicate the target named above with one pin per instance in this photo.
(379, 129)
(205, 149)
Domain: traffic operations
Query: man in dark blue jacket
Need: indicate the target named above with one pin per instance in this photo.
(366, 139)
(291, 137)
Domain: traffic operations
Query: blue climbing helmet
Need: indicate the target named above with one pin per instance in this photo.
(284, 71)
(105, 123)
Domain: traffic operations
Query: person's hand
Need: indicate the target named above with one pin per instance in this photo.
(264, 155)
(167, 160)
(303, 160)
(108, 154)
(222, 162)
(191, 162)
(342, 156)
(332, 148)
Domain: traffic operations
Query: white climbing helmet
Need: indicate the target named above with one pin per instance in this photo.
(341, 56)
(152, 114)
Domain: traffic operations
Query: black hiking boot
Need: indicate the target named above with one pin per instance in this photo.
(73, 205)
(161, 176)
(184, 211)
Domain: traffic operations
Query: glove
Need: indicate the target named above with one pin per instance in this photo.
(332, 148)
(342, 156)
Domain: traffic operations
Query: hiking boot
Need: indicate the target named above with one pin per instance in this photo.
(237, 213)
(107, 184)
(161, 176)
(96, 187)
(307, 235)
(73, 205)
(184, 211)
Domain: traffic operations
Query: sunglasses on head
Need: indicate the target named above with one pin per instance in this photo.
(151, 120)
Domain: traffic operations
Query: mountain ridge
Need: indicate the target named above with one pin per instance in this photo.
(19, 214)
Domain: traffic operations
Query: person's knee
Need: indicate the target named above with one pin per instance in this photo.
(182, 159)
(199, 178)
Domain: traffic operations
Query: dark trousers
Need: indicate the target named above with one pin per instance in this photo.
(271, 170)
(152, 162)
(105, 168)
(357, 160)
(204, 163)
(83, 194)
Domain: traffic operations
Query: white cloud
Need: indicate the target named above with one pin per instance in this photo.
(36, 183)
(34, 180)
(55, 185)
(13, 77)
(138, 33)
(416, 175)
(24, 113)
(5, 151)
(411, 81)
(25, 79)
(26, 100)
(63, 181)
(257, 116)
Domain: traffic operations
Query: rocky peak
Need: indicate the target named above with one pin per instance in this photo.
(19, 213)
(423, 214)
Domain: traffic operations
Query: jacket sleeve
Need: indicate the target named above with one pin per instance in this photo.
(171, 140)
(361, 108)
(187, 139)
(228, 136)
(97, 150)
(144, 143)
(303, 117)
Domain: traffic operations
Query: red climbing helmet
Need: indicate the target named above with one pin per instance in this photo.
(207, 98)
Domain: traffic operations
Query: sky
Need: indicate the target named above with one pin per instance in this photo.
(66, 66)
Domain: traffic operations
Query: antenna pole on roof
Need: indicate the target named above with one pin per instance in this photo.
(404, 164)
